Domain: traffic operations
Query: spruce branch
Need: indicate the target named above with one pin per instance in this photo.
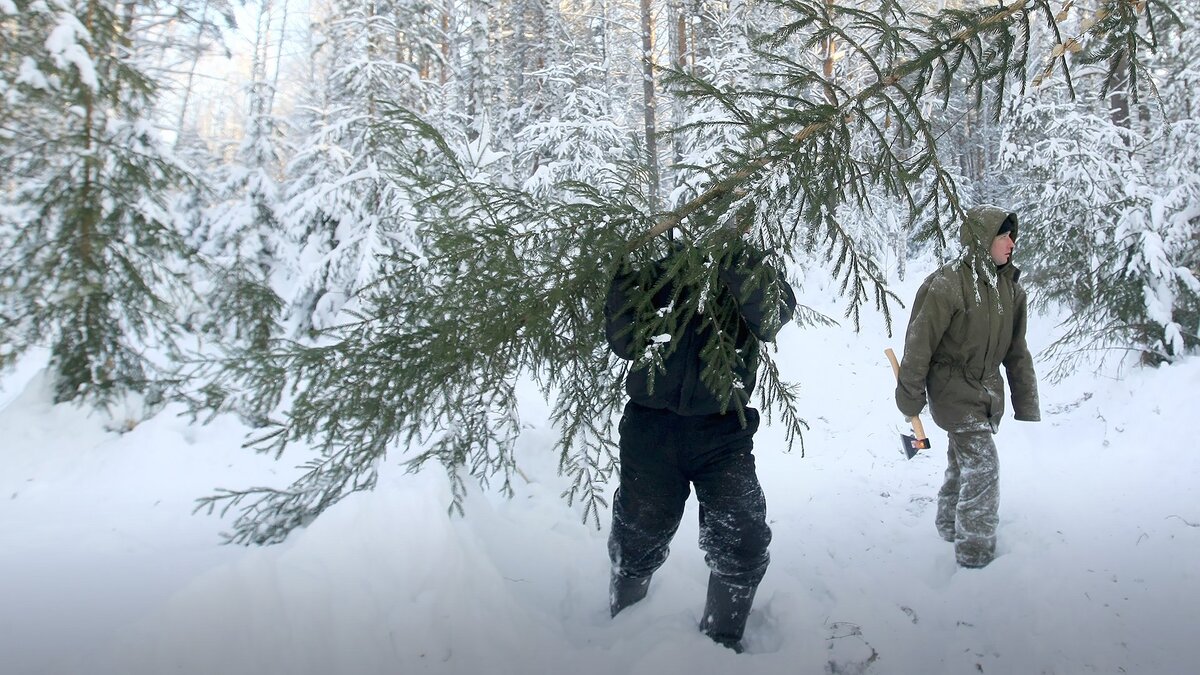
(487, 286)
(950, 45)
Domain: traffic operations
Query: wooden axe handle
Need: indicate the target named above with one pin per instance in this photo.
(915, 421)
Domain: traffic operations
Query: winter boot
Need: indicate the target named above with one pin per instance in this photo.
(726, 611)
(974, 554)
(624, 591)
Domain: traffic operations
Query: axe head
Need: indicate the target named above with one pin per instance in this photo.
(911, 444)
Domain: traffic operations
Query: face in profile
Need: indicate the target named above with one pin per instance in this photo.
(1002, 248)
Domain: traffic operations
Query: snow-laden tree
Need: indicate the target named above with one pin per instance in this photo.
(242, 239)
(732, 83)
(580, 141)
(506, 285)
(474, 83)
(92, 259)
(187, 42)
(342, 208)
(567, 121)
(321, 215)
(1112, 205)
(706, 129)
(532, 37)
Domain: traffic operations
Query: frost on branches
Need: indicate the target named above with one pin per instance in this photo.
(1112, 215)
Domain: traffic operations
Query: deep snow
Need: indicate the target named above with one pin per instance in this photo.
(103, 569)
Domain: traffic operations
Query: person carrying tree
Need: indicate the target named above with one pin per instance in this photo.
(688, 424)
(968, 318)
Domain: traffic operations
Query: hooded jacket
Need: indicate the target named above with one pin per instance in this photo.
(676, 384)
(968, 318)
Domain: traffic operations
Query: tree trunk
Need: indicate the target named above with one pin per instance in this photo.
(445, 71)
(679, 57)
(682, 19)
(1118, 88)
(278, 59)
(191, 76)
(829, 49)
(649, 102)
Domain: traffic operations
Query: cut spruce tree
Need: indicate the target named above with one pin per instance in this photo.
(496, 285)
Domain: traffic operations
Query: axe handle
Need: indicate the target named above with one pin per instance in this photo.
(918, 428)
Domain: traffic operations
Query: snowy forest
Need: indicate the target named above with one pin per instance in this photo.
(427, 200)
(369, 228)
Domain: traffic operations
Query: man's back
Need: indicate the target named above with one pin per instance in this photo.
(670, 369)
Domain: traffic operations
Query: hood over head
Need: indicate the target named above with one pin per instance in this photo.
(981, 226)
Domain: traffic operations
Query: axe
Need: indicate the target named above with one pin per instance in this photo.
(909, 444)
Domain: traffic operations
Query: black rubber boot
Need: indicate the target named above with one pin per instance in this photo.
(726, 611)
(624, 591)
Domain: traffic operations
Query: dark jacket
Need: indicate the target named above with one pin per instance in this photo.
(968, 318)
(756, 301)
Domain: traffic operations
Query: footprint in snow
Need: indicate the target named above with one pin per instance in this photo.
(849, 651)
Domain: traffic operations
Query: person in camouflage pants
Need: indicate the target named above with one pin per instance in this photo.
(968, 318)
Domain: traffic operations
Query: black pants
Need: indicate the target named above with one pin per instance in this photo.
(662, 455)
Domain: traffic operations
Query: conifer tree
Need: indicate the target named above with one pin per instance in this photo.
(566, 119)
(341, 210)
(506, 285)
(318, 213)
(1111, 201)
(579, 141)
(242, 239)
(475, 82)
(92, 261)
(707, 130)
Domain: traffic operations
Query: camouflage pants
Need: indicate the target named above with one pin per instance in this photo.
(969, 501)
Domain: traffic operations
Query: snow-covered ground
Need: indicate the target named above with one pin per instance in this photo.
(104, 569)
